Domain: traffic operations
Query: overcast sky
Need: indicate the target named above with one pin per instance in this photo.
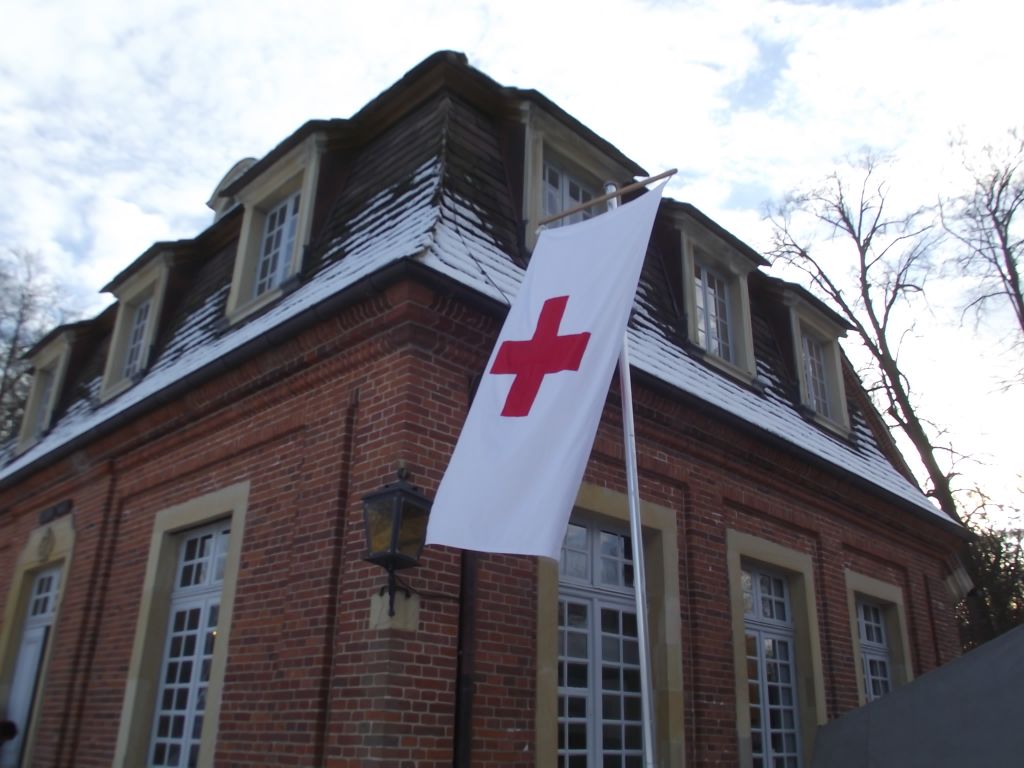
(118, 119)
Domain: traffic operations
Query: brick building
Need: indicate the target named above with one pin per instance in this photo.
(181, 519)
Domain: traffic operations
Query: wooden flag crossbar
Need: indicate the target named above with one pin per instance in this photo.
(606, 197)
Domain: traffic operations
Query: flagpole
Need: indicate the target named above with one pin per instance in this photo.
(636, 532)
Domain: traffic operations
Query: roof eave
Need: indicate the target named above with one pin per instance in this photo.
(946, 524)
(574, 125)
(370, 285)
(705, 221)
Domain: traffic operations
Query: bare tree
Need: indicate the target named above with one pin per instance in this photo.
(28, 310)
(987, 224)
(883, 263)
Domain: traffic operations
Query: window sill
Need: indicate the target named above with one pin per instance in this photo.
(252, 306)
(110, 391)
(742, 375)
(840, 429)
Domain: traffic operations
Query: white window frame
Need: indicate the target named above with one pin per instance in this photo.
(294, 175)
(50, 364)
(713, 315)
(38, 416)
(204, 597)
(661, 542)
(277, 244)
(134, 334)
(775, 733)
(137, 337)
(815, 360)
(876, 662)
(606, 650)
(561, 198)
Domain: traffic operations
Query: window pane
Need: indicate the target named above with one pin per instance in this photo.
(598, 650)
(277, 245)
(563, 191)
(770, 671)
(136, 338)
(712, 312)
(188, 651)
(815, 374)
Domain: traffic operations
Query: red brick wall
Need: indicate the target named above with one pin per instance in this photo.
(317, 423)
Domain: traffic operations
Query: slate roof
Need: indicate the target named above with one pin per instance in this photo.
(434, 190)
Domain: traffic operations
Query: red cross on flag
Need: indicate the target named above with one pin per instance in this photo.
(513, 478)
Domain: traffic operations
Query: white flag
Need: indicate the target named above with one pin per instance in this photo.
(516, 469)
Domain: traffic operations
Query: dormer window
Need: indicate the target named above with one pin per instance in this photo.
(140, 298)
(563, 166)
(819, 363)
(563, 191)
(50, 363)
(37, 418)
(715, 298)
(276, 225)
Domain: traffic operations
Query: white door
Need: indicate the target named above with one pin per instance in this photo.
(28, 664)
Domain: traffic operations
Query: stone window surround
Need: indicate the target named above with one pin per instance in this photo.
(53, 358)
(150, 282)
(663, 599)
(798, 567)
(704, 249)
(804, 319)
(47, 546)
(890, 598)
(144, 666)
(550, 139)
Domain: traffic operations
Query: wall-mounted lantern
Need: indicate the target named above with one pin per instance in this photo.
(396, 527)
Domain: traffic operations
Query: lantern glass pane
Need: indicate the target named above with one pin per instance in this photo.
(379, 524)
(414, 528)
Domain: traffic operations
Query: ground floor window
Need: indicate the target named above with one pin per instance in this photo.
(189, 643)
(599, 698)
(874, 649)
(771, 669)
(28, 664)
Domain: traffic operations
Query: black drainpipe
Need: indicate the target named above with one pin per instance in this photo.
(466, 663)
(465, 670)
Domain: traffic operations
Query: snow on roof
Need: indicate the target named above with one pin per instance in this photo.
(197, 343)
(652, 353)
(421, 219)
